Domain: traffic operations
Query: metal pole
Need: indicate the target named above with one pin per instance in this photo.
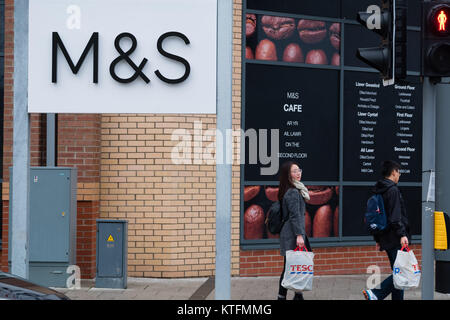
(442, 257)
(223, 168)
(51, 138)
(21, 146)
(428, 196)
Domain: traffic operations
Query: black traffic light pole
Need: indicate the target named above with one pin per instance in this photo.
(428, 187)
(390, 59)
(435, 65)
(442, 257)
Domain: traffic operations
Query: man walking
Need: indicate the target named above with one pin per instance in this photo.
(396, 233)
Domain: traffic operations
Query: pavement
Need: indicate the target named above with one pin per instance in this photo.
(341, 287)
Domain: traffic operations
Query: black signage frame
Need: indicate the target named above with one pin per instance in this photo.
(336, 191)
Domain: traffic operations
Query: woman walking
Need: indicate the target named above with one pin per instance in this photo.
(292, 195)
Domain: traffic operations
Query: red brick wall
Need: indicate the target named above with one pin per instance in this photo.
(327, 261)
(86, 236)
(79, 139)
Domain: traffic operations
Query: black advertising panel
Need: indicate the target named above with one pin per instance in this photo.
(322, 8)
(303, 104)
(303, 101)
(355, 202)
(381, 123)
(350, 8)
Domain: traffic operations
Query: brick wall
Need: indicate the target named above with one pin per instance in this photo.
(327, 261)
(170, 207)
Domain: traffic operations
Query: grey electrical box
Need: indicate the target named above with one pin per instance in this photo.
(112, 247)
(53, 218)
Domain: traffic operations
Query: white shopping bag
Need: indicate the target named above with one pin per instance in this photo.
(299, 271)
(406, 271)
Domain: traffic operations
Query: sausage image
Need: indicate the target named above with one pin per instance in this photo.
(336, 222)
(319, 195)
(272, 193)
(266, 50)
(323, 221)
(293, 53)
(254, 222)
(316, 57)
(307, 224)
(251, 192)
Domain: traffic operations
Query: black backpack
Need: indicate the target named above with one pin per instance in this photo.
(375, 217)
(274, 219)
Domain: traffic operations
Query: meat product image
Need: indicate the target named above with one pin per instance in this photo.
(271, 193)
(311, 31)
(250, 192)
(249, 53)
(278, 28)
(336, 60)
(293, 53)
(323, 222)
(316, 57)
(266, 50)
(319, 194)
(250, 24)
(335, 35)
(254, 222)
(336, 222)
(308, 224)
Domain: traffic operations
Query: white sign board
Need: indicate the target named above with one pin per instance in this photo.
(122, 56)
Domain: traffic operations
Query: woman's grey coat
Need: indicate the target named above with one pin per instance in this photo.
(293, 207)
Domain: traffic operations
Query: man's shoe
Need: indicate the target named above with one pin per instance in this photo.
(369, 295)
(298, 296)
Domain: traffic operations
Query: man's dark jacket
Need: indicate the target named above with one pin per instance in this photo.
(394, 206)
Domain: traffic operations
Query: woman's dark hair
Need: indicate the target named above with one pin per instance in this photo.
(388, 166)
(285, 181)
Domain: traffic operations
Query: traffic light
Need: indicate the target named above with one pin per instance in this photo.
(390, 22)
(436, 39)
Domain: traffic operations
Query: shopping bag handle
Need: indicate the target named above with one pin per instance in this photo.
(303, 248)
(405, 247)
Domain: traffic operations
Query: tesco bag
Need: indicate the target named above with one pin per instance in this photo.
(406, 273)
(299, 271)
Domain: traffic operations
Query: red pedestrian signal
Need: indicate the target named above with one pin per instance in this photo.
(442, 20)
(438, 22)
(436, 39)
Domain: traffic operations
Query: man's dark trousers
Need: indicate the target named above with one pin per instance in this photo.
(387, 286)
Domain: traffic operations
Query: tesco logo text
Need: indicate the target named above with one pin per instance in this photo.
(302, 269)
